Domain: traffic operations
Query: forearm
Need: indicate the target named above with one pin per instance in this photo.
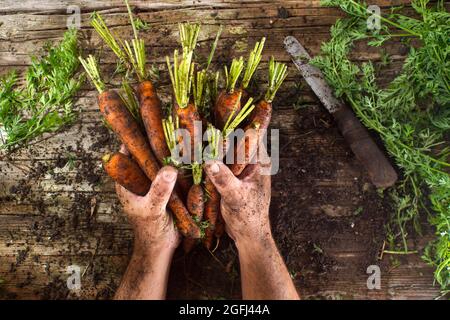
(146, 275)
(263, 272)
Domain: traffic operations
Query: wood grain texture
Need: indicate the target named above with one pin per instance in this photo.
(58, 208)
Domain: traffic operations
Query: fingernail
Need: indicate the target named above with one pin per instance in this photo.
(213, 167)
(169, 175)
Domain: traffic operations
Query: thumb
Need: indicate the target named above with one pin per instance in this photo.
(161, 189)
(223, 179)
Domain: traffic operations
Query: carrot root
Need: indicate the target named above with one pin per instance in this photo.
(151, 113)
(195, 204)
(246, 148)
(225, 105)
(196, 201)
(187, 117)
(212, 208)
(126, 172)
(184, 181)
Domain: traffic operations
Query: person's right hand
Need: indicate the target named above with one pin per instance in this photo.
(245, 201)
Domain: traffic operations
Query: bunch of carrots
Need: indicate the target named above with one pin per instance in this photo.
(151, 135)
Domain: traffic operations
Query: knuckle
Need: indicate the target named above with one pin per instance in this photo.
(219, 180)
(224, 180)
(160, 193)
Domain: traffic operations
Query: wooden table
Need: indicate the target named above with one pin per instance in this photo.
(57, 207)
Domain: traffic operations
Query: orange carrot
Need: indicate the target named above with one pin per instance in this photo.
(195, 205)
(151, 113)
(126, 172)
(212, 209)
(184, 181)
(226, 105)
(187, 117)
(195, 201)
(262, 114)
(123, 124)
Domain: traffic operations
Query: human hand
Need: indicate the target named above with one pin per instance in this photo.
(153, 225)
(245, 200)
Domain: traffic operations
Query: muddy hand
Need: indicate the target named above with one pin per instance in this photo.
(152, 225)
(245, 200)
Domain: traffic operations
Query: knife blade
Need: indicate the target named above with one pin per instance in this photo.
(312, 75)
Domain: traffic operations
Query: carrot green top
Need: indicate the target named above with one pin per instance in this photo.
(277, 74)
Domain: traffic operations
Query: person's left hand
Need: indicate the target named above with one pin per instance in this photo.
(153, 225)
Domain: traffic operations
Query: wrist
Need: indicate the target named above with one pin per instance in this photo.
(152, 248)
(259, 234)
(255, 244)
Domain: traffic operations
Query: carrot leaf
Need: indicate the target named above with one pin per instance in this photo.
(214, 139)
(199, 88)
(44, 103)
(197, 172)
(181, 77)
(129, 99)
(136, 56)
(189, 36)
(214, 46)
(133, 25)
(253, 61)
(169, 127)
(108, 36)
(237, 65)
(233, 122)
(277, 74)
(90, 65)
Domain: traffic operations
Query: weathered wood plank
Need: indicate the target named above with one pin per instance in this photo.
(49, 6)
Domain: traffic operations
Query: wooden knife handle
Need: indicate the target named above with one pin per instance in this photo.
(381, 172)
